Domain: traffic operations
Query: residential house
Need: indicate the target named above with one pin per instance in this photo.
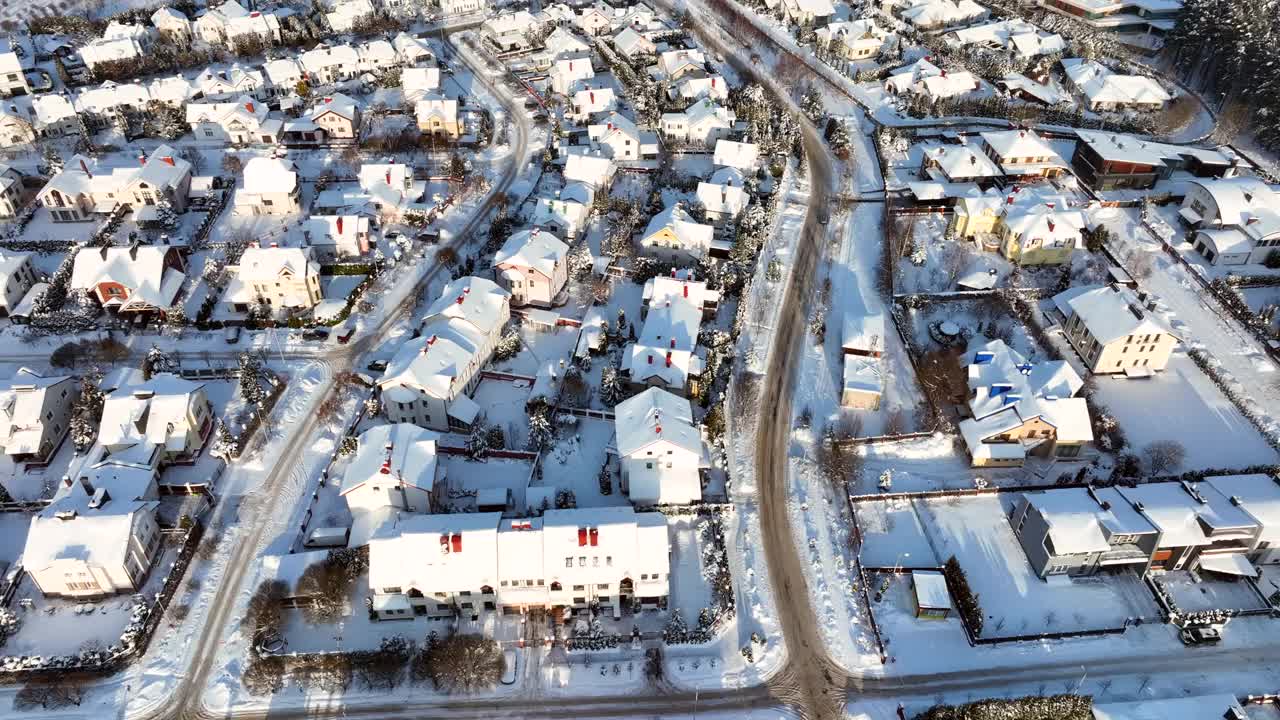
(667, 354)
(378, 56)
(173, 25)
(533, 266)
(167, 413)
(924, 15)
(270, 187)
(92, 542)
(1019, 408)
(561, 43)
(35, 412)
(723, 202)
(1107, 161)
(333, 118)
(163, 178)
(119, 43)
(1236, 220)
(509, 31)
(429, 380)
(283, 76)
(16, 127)
(393, 470)
(808, 13)
(55, 116)
(1105, 90)
(1259, 496)
(622, 140)
(390, 187)
(326, 65)
(438, 117)
(1018, 38)
(101, 101)
(449, 8)
(133, 279)
(1199, 527)
(631, 44)
(701, 124)
(462, 564)
(863, 341)
(411, 49)
(281, 278)
(566, 213)
(854, 40)
(946, 85)
(674, 236)
(674, 64)
(17, 275)
(699, 85)
(242, 121)
(1113, 331)
(740, 155)
(230, 83)
(173, 90)
(1082, 531)
(211, 26)
(1032, 232)
(347, 15)
(419, 83)
(1021, 87)
(587, 101)
(906, 77)
(13, 80)
(593, 170)
(83, 188)
(567, 71)
(74, 193)
(660, 449)
(593, 21)
(1022, 154)
(333, 238)
(252, 30)
(959, 164)
(1139, 24)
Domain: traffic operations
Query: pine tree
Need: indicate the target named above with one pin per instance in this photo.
(86, 411)
(251, 376)
(611, 389)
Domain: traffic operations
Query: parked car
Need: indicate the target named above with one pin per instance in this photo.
(378, 365)
(315, 334)
(1202, 635)
(345, 331)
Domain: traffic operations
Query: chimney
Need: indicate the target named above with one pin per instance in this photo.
(85, 168)
(66, 481)
(340, 217)
(595, 537)
(249, 107)
(459, 299)
(668, 359)
(133, 250)
(444, 544)
(582, 537)
(650, 359)
(457, 542)
(673, 272)
(388, 177)
(88, 486)
(275, 244)
(686, 289)
(142, 159)
(1050, 226)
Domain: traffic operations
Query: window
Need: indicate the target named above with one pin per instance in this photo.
(582, 561)
(266, 202)
(579, 600)
(602, 586)
(608, 560)
(568, 562)
(579, 588)
(502, 584)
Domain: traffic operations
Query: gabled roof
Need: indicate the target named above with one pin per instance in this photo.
(247, 110)
(722, 199)
(594, 170)
(731, 153)
(1007, 390)
(22, 406)
(142, 269)
(1109, 313)
(68, 529)
(259, 264)
(1018, 144)
(153, 413)
(536, 249)
(655, 415)
(336, 103)
(397, 454)
(476, 301)
(269, 175)
(1100, 84)
(675, 218)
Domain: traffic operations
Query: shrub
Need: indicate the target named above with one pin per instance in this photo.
(464, 663)
(966, 601)
(1034, 707)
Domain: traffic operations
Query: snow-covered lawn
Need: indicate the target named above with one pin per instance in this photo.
(575, 461)
(13, 535)
(54, 626)
(1016, 602)
(502, 403)
(1204, 591)
(689, 590)
(1183, 404)
(466, 477)
(938, 462)
(892, 535)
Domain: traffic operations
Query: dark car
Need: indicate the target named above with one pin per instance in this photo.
(378, 365)
(315, 334)
(1202, 635)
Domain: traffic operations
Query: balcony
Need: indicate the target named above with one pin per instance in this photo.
(1124, 555)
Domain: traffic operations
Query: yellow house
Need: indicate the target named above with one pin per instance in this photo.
(438, 116)
(1041, 234)
(977, 214)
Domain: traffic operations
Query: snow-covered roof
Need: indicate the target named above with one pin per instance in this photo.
(283, 72)
(389, 455)
(1015, 35)
(672, 61)
(1073, 517)
(338, 104)
(1185, 520)
(341, 230)
(931, 13)
(69, 529)
(1243, 201)
(23, 401)
(594, 170)
(722, 199)
(863, 374)
(244, 109)
(931, 589)
(740, 155)
(109, 95)
(1017, 82)
(690, 234)
(1110, 313)
(1258, 495)
(906, 76)
(477, 301)
(863, 331)
(444, 108)
(1014, 146)
(629, 42)
(667, 348)
(142, 269)
(266, 265)
(593, 100)
(1100, 85)
(157, 412)
(536, 249)
(1201, 707)
(233, 79)
(269, 175)
(655, 415)
(419, 81)
(853, 33)
(947, 85)
(957, 162)
(450, 552)
(1007, 390)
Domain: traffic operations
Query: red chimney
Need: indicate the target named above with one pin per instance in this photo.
(432, 341)
(686, 289)
(673, 343)
(459, 299)
(339, 224)
(1009, 200)
(582, 537)
(168, 160)
(457, 542)
(1050, 226)
(658, 429)
(85, 168)
(595, 537)
(944, 73)
(668, 359)
(673, 272)
(444, 543)
(274, 244)
(650, 359)
(142, 159)
(388, 177)
(592, 97)
(248, 106)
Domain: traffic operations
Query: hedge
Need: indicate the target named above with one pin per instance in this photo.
(1033, 707)
(966, 601)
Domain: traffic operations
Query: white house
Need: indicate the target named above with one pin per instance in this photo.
(283, 76)
(1235, 220)
(173, 25)
(167, 413)
(632, 44)
(270, 188)
(36, 413)
(429, 379)
(438, 116)
(532, 265)
(622, 140)
(465, 564)
(673, 235)
(673, 64)
(119, 43)
(336, 237)
(667, 355)
(740, 155)
(327, 65)
(253, 28)
(411, 49)
(17, 275)
(566, 213)
(723, 203)
(567, 71)
(242, 121)
(509, 31)
(419, 82)
(393, 470)
(592, 170)
(377, 56)
(279, 277)
(936, 14)
(92, 542)
(390, 187)
(348, 14)
(703, 123)
(1105, 90)
(592, 21)
(854, 40)
(133, 279)
(661, 449)
(230, 83)
(13, 81)
(211, 26)
(450, 8)
(1019, 38)
(808, 12)
(1113, 331)
(587, 101)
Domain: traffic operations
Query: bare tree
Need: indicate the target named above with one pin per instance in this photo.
(465, 663)
(232, 164)
(895, 422)
(51, 693)
(1164, 456)
(264, 606)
